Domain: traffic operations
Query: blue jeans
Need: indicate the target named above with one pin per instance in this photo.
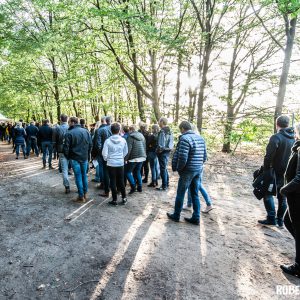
(64, 164)
(163, 159)
(47, 148)
(202, 191)
(80, 173)
(18, 150)
(32, 143)
(99, 169)
(187, 180)
(132, 172)
(154, 166)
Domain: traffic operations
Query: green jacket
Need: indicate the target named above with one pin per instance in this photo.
(136, 146)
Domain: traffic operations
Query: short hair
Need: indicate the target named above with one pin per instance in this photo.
(32, 122)
(143, 125)
(108, 120)
(125, 128)
(115, 128)
(132, 128)
(74, 120)
(155, 128)
(297, 131)
(64, 118)
(45, 121)
(283, 121)
(82, 121)
(103, 119)
(163, 120)
(185, 125)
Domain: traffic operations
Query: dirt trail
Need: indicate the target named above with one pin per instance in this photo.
(133, 251)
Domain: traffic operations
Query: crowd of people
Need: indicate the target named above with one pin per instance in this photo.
(124, 155)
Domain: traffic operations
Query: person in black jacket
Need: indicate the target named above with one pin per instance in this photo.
(292, 191)
(45, 137)
(77, 147)
(145, 168)
(32, 132)
(20, 136)
(276, 158)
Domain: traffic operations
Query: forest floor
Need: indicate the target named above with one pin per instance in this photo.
(52, 248)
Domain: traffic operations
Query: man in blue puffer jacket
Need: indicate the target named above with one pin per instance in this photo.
(188, 161)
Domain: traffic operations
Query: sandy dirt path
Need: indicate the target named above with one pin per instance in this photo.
(52, 248)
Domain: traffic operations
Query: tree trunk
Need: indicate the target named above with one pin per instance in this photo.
(155, 94)
(178, 83)
(290, 37)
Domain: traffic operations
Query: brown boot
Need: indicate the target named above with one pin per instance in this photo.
(85, 196)
(79, 199)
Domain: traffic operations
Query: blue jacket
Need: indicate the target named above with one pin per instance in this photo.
(45, 133)
(31, 131)
(19, 136)
(103, 134)
(190, 153)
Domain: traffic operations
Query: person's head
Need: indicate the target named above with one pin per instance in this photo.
(282, 122)
(73, 121)
(108, 120)
(143, 126)
(125, 128)
(297, 132)
(19, 124)
(32, 123)
(115, 128)
(132, 128)
(155, 128)
(163, 122)
(45, 122)
(185, 126)
(103, 120)
(82, 122)
(63, 118)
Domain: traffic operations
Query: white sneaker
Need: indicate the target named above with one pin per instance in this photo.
(185, 207)
(208, 209)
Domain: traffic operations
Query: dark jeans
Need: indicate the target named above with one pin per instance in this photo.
(154, 166)
(133, 173)
(145, 169)
(18, 150)
(292, 221)
(32, 144)
(80, 169)
(47, 148)
(163, 159)
(187, 180)
(270, 205)
(105, 177)
(116, 178)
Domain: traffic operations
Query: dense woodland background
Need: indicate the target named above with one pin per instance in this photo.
(229, 66)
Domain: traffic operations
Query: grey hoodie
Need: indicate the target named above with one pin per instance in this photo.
(114, 150)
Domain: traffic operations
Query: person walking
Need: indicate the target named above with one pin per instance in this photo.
(77, 148)
(19, 138)
(59, 138)
(45, 136)
(165, 145)
(188, 161)
(114, 151)
(276, 159)
(135, 158)
(32, 132)
(152, 156)
(291, 190)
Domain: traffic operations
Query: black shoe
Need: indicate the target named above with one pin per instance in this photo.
(50, 167)
(192, 221)
(131, 192)
(112, 202)
(139, 189)
(161, 188)
(124, 201)
(106, 195)
(145, 180)
(68, 190)
(25, 157)
(279, 223)
(94, 180)
(70, 173)
(152, 184)
(293, 270)
(172, 217)
(267, 222)
(17, 157)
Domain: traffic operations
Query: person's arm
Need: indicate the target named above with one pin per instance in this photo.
(99, 141)
(90, 145)
(294, 185)
(67, 144)
(183, 154)
(271, 151)
(105, 150)
(129, 145)
(161, 142)
(175, 160)
(125, 149)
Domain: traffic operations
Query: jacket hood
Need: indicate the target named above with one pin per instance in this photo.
(137, 136)
(116, 139)
(288, 132)
(166, 130)
(296, 146)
